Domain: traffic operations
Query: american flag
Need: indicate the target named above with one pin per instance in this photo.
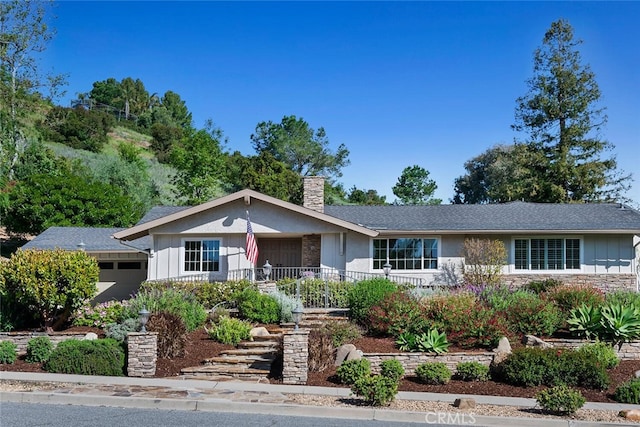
(252, 246)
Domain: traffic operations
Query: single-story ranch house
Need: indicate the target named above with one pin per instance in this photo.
(583, 243)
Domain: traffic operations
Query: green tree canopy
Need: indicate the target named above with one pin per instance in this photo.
(177, 109)
(563, 120)
(365, 197)
(265, 174)
(42, 201)
(414, 187)
(199, 159)
(305, 150)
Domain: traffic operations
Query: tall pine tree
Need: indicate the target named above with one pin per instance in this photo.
(563, 119)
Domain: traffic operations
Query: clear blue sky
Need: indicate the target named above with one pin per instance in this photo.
(399, 83)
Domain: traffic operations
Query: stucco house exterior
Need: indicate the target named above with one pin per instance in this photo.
(584, 243)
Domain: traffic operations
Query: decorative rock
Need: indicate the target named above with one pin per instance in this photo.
(260, 331)
(464, 403)
(354, 355)
(637, 374)
(342, 353)
(533, 341)
(90, 336)
(630, 414)
(503, 346)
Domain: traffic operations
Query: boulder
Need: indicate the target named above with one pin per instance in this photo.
(533, 341)
(464, 403)
(355, 355)
(637, 374)
(630, 414)
(503, 346)
(260, 331)
(90, 336)
(342, 353)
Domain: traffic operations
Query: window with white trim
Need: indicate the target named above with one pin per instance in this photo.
(201, 255)
(547, 254)
(406, 253)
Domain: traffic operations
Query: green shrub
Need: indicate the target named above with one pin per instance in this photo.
(230, 330)
(568, 297)
(560, 400)
(602, 352)
(407, 341)
(541, 286)
(172, 334)
(119, 331)
(527, 313)
(628, 392)
(472, 371)
(87, 357)
(366, 294)
(392, 369)
(397, 313)
(534, 366)
(352, 370)
(342, 332)
(625, 298)
(39, 349)
(209, 294)
(257, 307)
(433, 373)
(101, 315)
(8, 352)
(176, 301)
(51, 283)
(377, 390)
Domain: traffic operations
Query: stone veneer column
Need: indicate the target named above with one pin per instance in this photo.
(313, 193)
(295, 356)
(311, 250)
(142, 354)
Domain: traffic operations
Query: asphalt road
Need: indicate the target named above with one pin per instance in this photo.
(43, 415)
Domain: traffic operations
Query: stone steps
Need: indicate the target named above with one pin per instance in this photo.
(250, 360)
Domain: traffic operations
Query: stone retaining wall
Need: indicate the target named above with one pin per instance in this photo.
(605, 282)
(410, 361)
(20, 339)
(628, 351)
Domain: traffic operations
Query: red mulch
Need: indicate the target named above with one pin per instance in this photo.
(200, 347)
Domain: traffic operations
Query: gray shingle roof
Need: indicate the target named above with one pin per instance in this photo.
(95, 240)
(516, 216)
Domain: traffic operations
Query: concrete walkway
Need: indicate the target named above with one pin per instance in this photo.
(248, 397)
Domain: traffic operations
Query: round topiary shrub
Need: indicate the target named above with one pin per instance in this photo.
(258, 307)
(377, 390)
(392, 369)
(352, 370)
(472, 371)
(628, 392)
(433, 373)
(96, 357)
(560, 400)
(8, 352)
(172, 334)
(39, 349)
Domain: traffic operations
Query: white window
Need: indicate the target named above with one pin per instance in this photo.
(201, 255)
(406, 253)
(547, 254)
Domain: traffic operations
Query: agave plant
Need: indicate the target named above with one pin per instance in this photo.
(406, 342)
(433, 342)
(585, 321)
(620, 323)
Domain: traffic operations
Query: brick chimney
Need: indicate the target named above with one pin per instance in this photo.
(313, 197)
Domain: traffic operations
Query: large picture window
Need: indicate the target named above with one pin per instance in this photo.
(201, 255)
(547, 254)
(406, 253)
